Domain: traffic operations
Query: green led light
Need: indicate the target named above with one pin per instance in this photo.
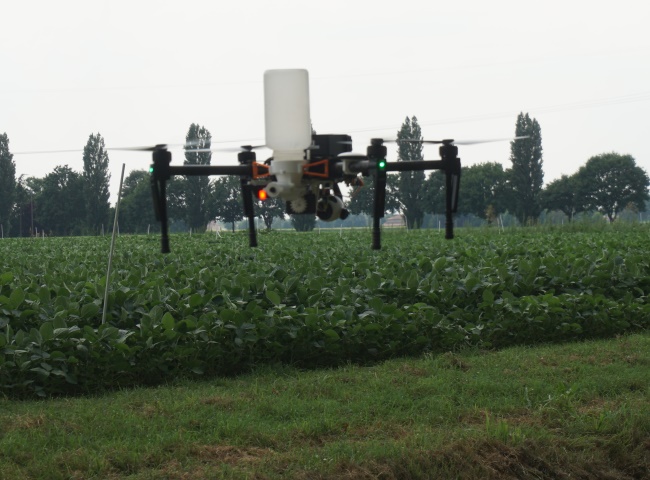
(382, 164)
(151, 169)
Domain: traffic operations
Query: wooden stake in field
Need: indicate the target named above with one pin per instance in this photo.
(110, 255)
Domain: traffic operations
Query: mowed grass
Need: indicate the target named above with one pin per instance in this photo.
(578, 410)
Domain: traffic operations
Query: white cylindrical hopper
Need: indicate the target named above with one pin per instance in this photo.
(286, 112)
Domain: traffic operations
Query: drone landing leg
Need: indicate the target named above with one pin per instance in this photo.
(449, 217)
(451, 167)
(160, 209)
(160, 174)
(380, 201)
(164, 230)
(249, 212)
(377, 156)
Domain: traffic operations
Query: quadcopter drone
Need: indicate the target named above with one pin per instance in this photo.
(306, 169)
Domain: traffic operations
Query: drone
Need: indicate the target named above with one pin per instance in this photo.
(306, 169)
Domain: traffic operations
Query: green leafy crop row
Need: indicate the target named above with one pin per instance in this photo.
(216, 307)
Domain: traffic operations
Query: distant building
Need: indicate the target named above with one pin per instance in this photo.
(213, 226)
(395, 221)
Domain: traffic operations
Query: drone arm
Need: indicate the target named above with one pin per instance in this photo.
(365, 167)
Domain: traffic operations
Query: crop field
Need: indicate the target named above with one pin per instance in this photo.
(215, 307)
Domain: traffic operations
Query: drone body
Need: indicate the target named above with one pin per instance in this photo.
(306, 169)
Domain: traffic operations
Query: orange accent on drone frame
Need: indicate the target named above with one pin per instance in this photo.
(326, 169)
(258, 168)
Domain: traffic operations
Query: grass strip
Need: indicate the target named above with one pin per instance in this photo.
(578, 410)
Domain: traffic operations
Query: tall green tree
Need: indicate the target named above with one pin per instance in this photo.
(411, 185)
(526, 174)
(136, 207)
(21, 214)
(7, 183)
(483, 190)
(434, 193)
(225, 201)
(96, 181)
(303, 222)
(269, 209)
(362, 199)
(28, 196)
(610, 182)
(562, 194)
(59, 202)
(197, 188)
(176, 190)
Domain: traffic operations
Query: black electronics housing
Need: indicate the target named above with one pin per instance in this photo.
(331, 145)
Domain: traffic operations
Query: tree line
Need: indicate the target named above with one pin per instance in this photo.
(608, 183)
(66, 202)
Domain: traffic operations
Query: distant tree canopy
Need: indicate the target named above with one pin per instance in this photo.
(303, 222)
(226, 200)
(526, 175)
(60, 201)
(483, 190)
(362, 199)
(610, 182)
(136, 207)
(411, 185)
(562, 194)
(269, 209)
(7, 184)
(96, 181)
(435, 192)
(21, 214)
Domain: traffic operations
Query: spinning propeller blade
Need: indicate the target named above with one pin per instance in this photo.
(243, 148)
(141, 149)
(147, 148)
(352, 155)
(476, 142)
(36, 152)
(460, 142)
(160, 146)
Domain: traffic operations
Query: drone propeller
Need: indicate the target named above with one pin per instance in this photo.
(36, 152)
(464, 142)
(448, 141)
(147, 148)
(352, 155)
(386, 139)
(476, 142)
(160, 146)
(243, 148)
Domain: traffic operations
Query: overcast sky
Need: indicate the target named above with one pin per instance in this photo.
(140, 72)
